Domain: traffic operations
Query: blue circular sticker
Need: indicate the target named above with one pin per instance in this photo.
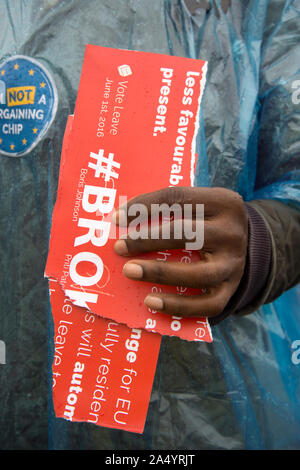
(28, 103)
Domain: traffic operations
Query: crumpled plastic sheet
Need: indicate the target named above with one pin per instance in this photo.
(242, 391)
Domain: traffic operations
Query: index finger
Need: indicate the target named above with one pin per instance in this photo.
(214, 200)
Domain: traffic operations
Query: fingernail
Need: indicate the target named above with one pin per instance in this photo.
(132, 270)
(119, 217)
(120, 248)
(155, 303)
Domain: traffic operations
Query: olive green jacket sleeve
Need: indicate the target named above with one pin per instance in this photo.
(273, 258)
(283, 224)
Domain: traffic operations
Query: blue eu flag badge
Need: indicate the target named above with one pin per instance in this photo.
(28, 104)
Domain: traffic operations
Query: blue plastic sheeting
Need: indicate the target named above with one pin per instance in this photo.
(264, 373)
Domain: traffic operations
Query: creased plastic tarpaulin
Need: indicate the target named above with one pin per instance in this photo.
(246, 392)
(242, 391)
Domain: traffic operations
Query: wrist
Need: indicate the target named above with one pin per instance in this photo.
(257, 267)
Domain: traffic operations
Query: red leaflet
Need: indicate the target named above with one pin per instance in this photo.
(133, 131)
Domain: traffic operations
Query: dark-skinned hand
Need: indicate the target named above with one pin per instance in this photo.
(222, 257)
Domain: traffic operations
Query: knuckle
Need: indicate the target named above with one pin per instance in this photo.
(233, 234)
(232, 202)
(174, 306)
(208, 277)
(179, 310)
(225, 194)
(134, 245)
(157, 272)
(173, 195)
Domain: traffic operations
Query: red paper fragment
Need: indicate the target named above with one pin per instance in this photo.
(133, 131)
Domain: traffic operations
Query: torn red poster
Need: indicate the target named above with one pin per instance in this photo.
(102, 370)
(134, 131)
